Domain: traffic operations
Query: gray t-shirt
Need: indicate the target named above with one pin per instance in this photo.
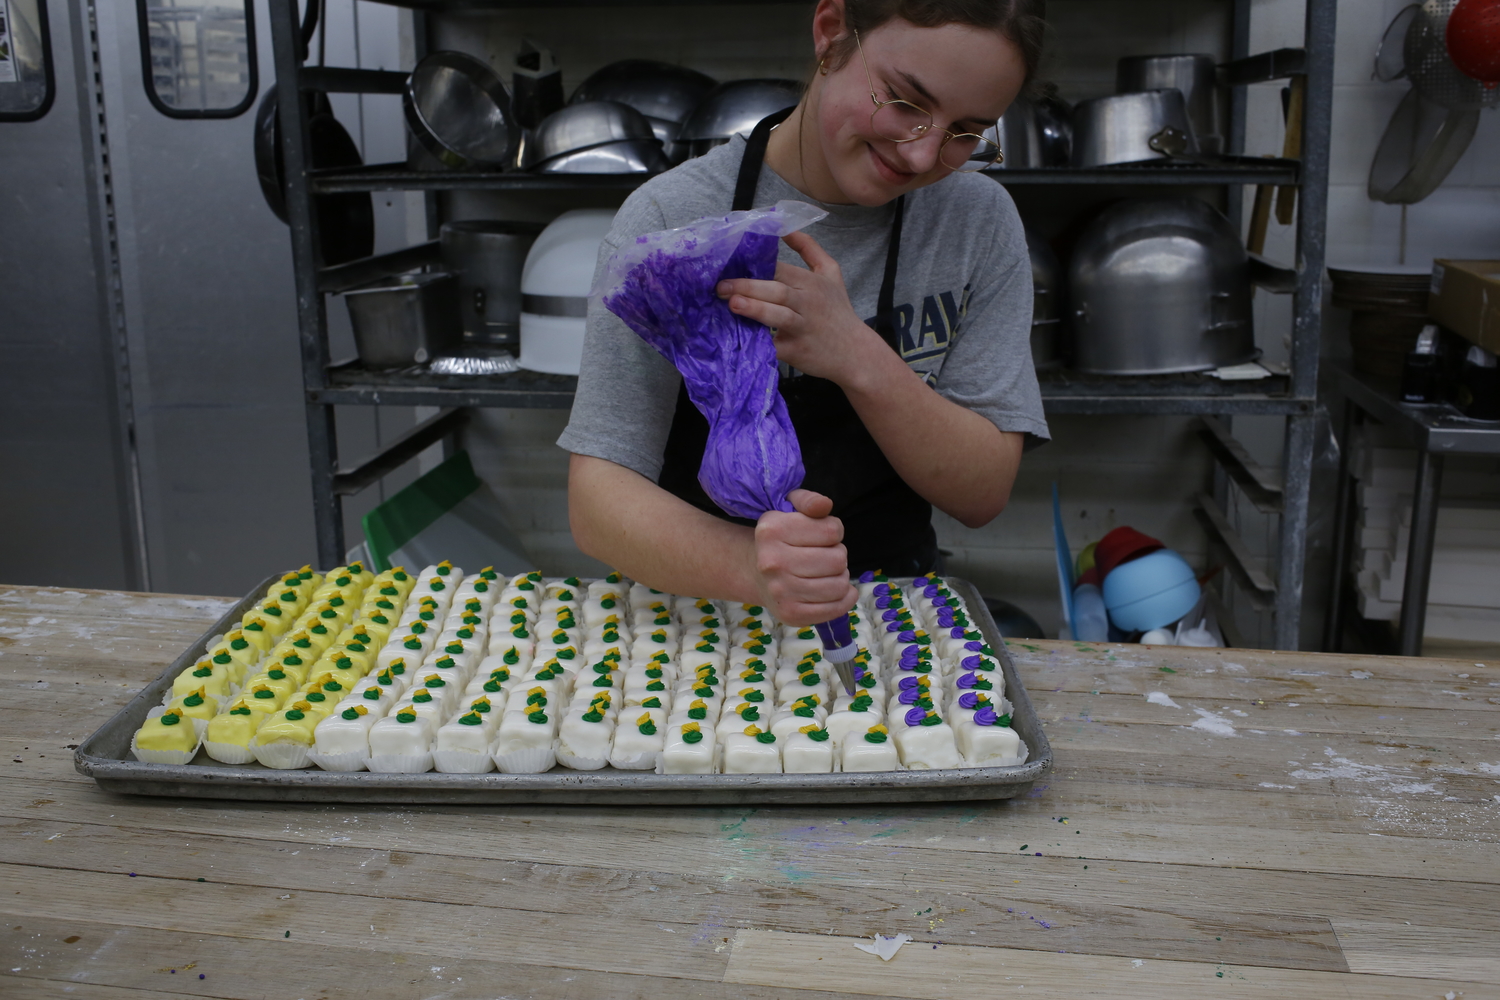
(962, 315)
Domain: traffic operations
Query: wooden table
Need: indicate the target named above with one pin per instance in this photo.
(1221, 823)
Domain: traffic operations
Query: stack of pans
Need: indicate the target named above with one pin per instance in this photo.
(1390, 309)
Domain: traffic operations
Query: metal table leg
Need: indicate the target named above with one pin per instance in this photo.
(1424, 513)
(1343, 528)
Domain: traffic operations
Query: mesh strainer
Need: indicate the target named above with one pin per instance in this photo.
(1432, 71)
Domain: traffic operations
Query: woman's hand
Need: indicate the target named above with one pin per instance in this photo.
(801, 565)
(817, 331)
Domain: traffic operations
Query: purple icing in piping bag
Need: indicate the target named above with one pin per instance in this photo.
(664, 286)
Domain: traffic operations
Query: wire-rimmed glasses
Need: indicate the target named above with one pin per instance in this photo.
(903, 121)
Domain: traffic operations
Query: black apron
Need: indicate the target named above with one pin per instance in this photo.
(887, 526)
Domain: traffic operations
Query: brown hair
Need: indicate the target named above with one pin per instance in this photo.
(1021, 21)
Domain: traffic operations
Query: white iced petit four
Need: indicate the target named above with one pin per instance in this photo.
(639, 738)
(985, 738)
(930, 744)
(734, 718)
(347, 731)
(472, 731)
(687, 750)
(534, 730)
(807, 751)
(400, 734)
(853, 716)
(584, 737)
(869, 751)
(752, 751)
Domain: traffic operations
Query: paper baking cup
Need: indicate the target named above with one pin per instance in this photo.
(228, 753)
(164, 756)
(338, 761)
(462, 762)
(635, 762)
(577, 763)
(281, 756)
(399, 763)
(533, 761)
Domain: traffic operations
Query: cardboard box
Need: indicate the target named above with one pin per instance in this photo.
(1465, 297)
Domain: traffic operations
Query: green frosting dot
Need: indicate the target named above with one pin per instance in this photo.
(539, 717)
(349, 714)
(647, 728)
(372, 694)
(193, 700)
(697, 713)
(472, 719)
(875, 737)
(241, 710)
(651, 703)
(295, 715)
(170, 719)
(693, 735)
(406, 717)
(265, 693)
(204, 671)
(421, 696)
(818, 735)
(492, 685)
(765, 738)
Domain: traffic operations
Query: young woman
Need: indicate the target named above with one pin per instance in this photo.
(903, 330)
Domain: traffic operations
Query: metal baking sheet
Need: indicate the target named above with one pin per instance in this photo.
(105, 757)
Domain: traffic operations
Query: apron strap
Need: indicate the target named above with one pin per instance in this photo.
(744, 200)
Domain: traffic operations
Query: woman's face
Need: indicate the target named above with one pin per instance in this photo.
(965, 77)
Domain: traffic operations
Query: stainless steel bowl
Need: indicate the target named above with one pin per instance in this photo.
(633, 156)
(665, 93)
(1159, 286)
(734, 108)
(1119, 128)
(487, 256)
(1046, 303)
(1194, 75)
(460, 112)
(1035, 132)
(583, 126)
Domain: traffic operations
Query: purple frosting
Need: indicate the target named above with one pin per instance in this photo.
(930, 592)
(910, 696)
(868, 576)
(859, 670)
(968, 699)
(985, 717)
(915, 716)
(910, 682)
(956, 633)
(975, 662)
(890, 615)
(907, 635)
(966, 681)
(665, 289)
(974, 645)
(946, 619)
(922, 581)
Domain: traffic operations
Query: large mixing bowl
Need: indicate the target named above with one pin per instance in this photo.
(734, 108)
(1159, 286)
(633, 156)
(587, 125)
(1046, 303)
(665, 93)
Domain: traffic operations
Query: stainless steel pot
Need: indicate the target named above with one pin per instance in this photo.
(591, 126)
(636, 156)
(487, 256)
(1046, 304)
(665, 93)
(1120, 128)
(407, 320)
(734, 108)
(1193, 75)
(1035, 133)
(460, 112)
(1159, 286)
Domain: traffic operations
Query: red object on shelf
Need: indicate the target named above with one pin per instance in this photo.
(1473, 39)
(1120, 546)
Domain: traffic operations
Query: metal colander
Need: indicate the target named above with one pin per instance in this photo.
(1430, 68)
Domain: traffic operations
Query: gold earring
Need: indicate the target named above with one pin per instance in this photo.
(822, 69)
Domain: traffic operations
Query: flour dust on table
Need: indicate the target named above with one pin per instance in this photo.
(401, 672)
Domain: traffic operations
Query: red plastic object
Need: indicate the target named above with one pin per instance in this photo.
(1474, 39)
(1121, 546)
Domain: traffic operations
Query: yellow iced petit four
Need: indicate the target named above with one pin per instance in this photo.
(195, 705)
(238, 646)
(206, 675)
(234, 669)
(235, 726)
(291, 725)
(270, 616)
(361, 653)
(258, 693)
(168, 731)
(277, 679)
(342, 664)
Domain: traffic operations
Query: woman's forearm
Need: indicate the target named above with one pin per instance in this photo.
(623, 519)
(954, 458)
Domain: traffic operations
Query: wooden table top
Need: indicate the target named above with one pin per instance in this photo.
(1220, 823)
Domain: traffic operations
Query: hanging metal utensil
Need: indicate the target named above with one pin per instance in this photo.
(1390, 55)
(1431, 70)
(1421, 145)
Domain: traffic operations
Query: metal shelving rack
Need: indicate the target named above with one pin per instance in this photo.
(1291, 395)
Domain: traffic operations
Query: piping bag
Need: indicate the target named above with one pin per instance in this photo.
(663, 285)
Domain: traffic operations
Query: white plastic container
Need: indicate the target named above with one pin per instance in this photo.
(555, 287)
